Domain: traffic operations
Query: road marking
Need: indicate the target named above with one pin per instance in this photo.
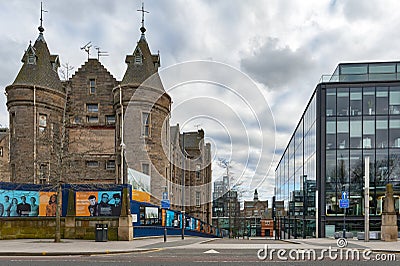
(211, 251)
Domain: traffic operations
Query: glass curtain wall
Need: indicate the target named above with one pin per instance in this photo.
(295, 180)
(361, 122)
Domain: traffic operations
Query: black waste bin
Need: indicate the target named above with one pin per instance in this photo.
(105, 233)
(101, 233)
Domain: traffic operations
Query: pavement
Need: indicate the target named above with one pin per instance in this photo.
(47, 247)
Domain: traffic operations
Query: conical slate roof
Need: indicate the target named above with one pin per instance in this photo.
(141, 65)
(40, 67)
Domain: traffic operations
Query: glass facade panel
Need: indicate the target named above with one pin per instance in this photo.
(394, 133)
(382, 68)
(382, 97)
(355, 101)
(342, 102)
(382, 132)
(331, 103)
(369, 101)
(355, 133)
(354, 69)
(394, 100)
(342, 133)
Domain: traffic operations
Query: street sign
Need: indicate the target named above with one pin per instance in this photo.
(345, 196)
(165, 204)
(165, 195)
(344, 203)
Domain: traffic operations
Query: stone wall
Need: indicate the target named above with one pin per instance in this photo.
(44, 227)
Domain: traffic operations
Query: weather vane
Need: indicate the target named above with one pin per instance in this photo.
(143, 29)
(100, 53)
(41, 29)
(86, 48)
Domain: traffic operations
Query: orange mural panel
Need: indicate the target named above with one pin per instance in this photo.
(140, 196)
(82, 202)
(47, 203)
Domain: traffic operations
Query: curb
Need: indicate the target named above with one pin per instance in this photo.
(75, 253)
(208, 240)
(386, 251)
(291, 241)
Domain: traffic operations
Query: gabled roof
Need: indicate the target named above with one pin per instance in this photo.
(43, 72)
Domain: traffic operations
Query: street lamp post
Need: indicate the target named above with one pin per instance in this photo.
(183, 186)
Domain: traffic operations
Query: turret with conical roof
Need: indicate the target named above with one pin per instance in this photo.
(35, 103)
(146, 120)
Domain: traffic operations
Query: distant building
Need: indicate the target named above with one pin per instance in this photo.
(255, 211)
(226, 207)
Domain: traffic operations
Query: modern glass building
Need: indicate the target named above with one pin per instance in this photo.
(352, 114)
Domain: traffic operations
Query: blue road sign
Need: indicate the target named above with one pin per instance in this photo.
(345, 195)
(165, 195)
(344, 203)
(165, 204)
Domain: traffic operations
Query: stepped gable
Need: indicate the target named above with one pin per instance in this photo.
(93, 65)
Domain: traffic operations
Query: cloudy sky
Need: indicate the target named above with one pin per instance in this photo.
(283, 45)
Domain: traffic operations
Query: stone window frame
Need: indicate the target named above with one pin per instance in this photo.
(92, 88)
(110, 165)
(198, 172)
(142, 164)
(198, 199)
(42, 122)
(146, 125)
(43, 173)
(90, 119)
(92, 107)
(92, 164)
(112, 121)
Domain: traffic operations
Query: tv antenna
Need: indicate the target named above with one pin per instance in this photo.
(197, 126)
(86, 48)
(100, 53)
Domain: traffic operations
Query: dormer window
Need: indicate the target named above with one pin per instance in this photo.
(138, 59)
(138, 56)
(30, 55)
(55, 62)
(31, 59)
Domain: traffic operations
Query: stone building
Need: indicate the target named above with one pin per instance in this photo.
(92, 128)
(4, 155)
(196, 178)
(255, 212)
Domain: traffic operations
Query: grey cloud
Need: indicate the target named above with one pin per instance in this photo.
(277, 67)
(361, 10)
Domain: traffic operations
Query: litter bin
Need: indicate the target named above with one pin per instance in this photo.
(105, 233)
(101, 233)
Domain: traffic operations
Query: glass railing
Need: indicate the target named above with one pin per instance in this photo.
(359, 77)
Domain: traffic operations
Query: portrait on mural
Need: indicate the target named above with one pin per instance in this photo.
(19, 203)
(98, 203)
(51, 207)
